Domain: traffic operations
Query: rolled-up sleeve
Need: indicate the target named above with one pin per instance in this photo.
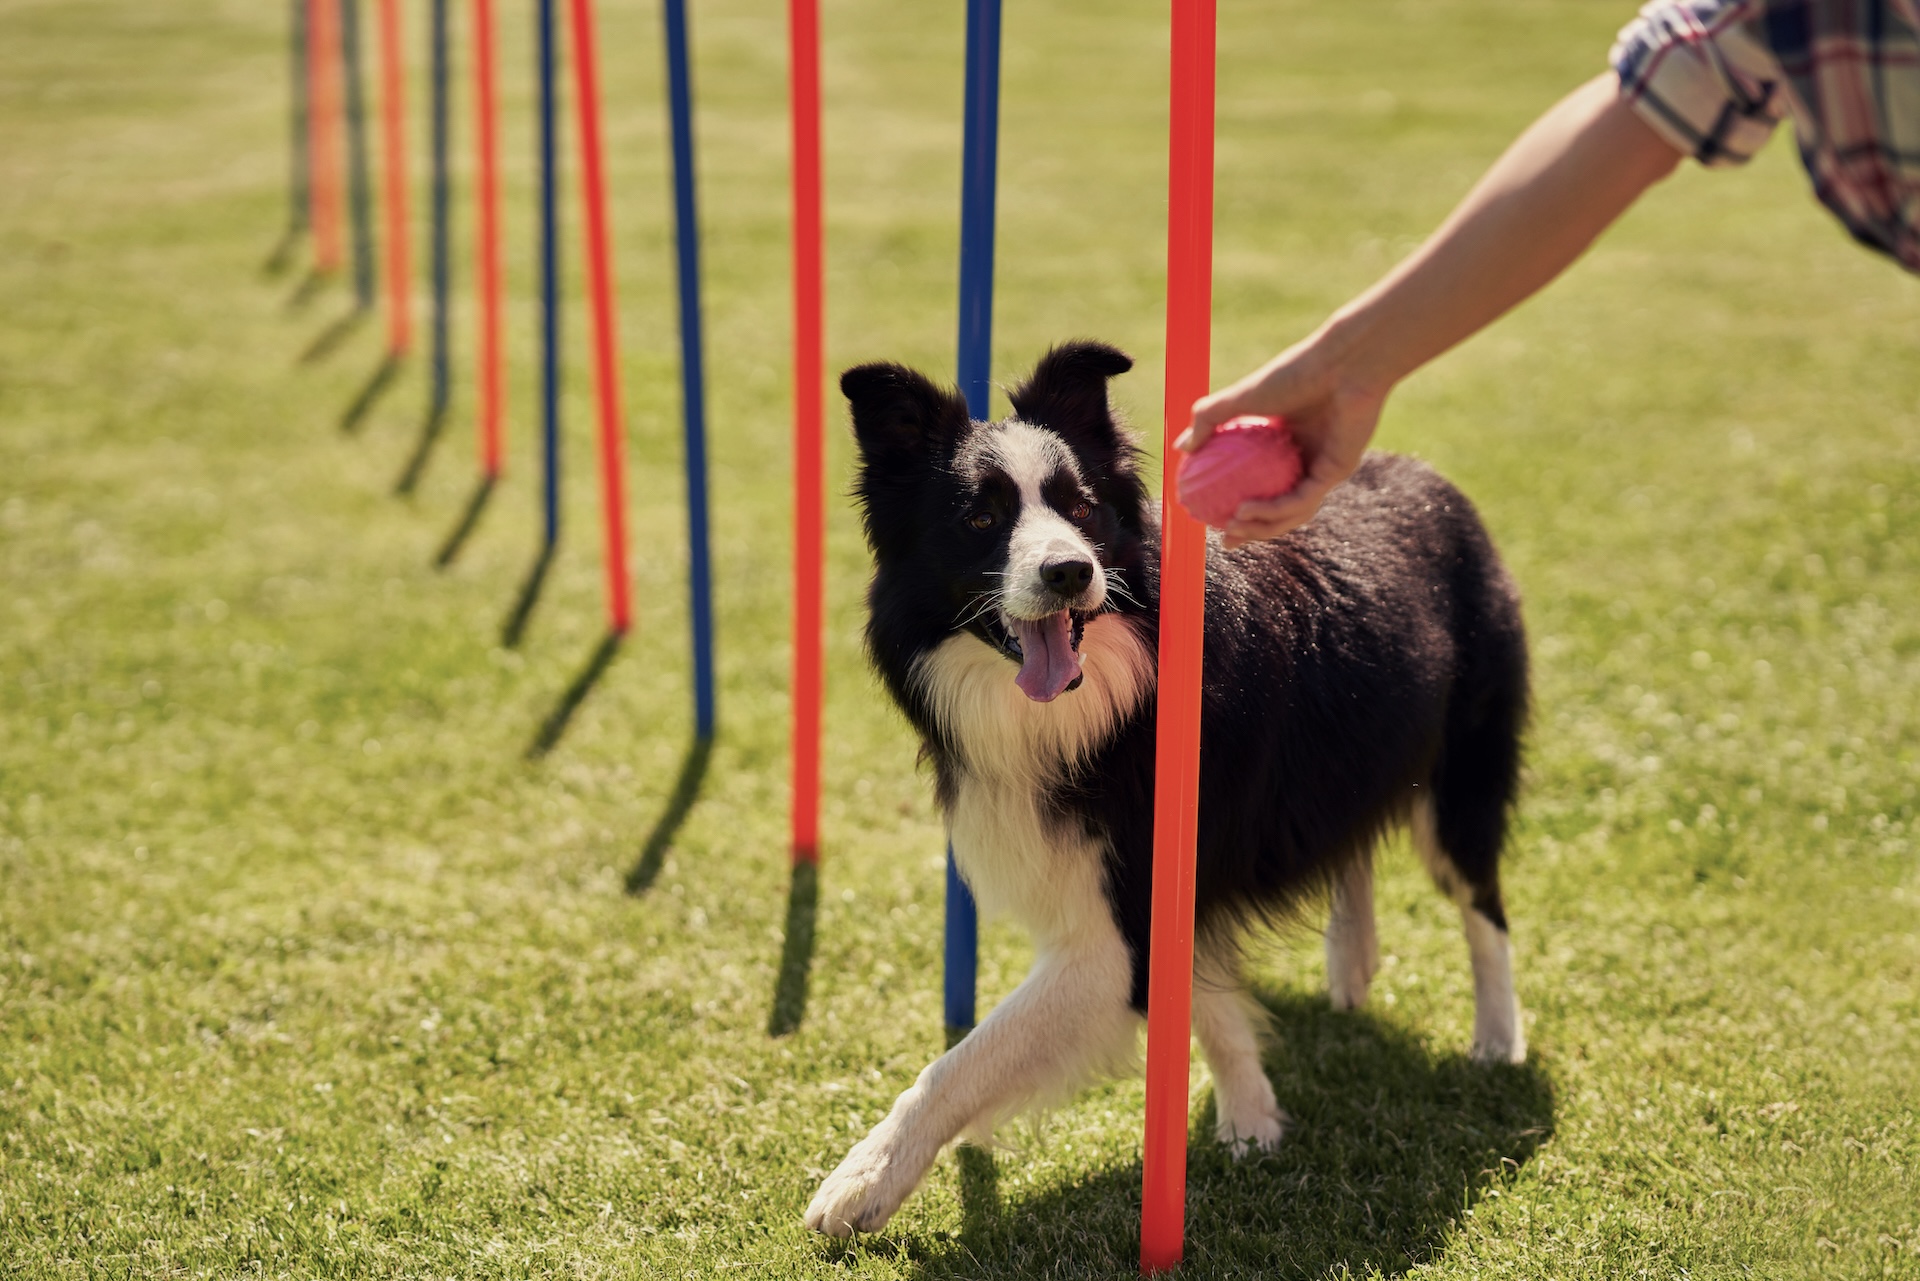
(1694, 72)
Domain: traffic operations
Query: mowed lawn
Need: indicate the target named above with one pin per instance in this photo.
(307, 970)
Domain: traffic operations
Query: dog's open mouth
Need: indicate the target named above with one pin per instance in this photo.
(1048, 651)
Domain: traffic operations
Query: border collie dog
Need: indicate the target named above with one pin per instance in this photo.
(1366, 670)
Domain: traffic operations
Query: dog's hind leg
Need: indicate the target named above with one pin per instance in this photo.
(1353, 948)
(1460, 824)
(1498, 1034)
(1226, 1022)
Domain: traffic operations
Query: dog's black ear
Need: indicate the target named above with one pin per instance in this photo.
(897, 410)
(1068, 389)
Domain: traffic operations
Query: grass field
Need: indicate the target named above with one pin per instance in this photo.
(306, 970)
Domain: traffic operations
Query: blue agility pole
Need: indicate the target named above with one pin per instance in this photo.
(442, 216)
(549, 273)
(359, 182)
(962, 950)
(979, 159)
(298, 194)
(692, 370)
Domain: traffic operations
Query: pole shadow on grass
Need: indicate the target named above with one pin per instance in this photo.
(575, 694)
(430, 430)
(515, 629)
(979, 1179)
(470, 517)
(280, 259)
(796, 951)
(1391, 1141)
(328, 340)
(383, 375)
(307, 289)
(686, 790)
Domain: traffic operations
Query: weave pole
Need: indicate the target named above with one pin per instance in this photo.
(323, 138)
(299, 216)
(546, 41)
(442, 216)
(693, 379)
(393, 127)
(1183, 555)
(492, 374)
(809, 449)
(979, 162)
(359, 181)
(606, 346)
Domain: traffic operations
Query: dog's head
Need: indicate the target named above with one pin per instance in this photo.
(1016, 531)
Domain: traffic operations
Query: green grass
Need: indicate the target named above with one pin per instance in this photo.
(306, 971)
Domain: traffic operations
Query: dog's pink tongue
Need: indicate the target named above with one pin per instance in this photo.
(1047, 663)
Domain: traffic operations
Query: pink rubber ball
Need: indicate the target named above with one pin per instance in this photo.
(1244, 460)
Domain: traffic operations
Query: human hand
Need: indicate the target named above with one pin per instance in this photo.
(1331, 418)
(1557, 187)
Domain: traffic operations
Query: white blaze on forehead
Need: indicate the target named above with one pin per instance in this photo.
(1029, 456)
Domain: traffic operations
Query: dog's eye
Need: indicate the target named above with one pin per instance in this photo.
(983, 520)
(1081, 510)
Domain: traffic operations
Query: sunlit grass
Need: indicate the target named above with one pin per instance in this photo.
(306, 970)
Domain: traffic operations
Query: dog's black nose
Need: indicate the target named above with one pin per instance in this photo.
(1067, 577)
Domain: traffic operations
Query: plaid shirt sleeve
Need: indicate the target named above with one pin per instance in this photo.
(1693, 71)
(1713, 77)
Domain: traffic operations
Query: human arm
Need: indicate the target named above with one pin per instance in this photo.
(1562, 182)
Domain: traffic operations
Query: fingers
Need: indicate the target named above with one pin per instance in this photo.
(1208, 412)
(1263, 392)
(1272, 517)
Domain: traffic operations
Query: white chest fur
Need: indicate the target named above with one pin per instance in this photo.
(1018, 861)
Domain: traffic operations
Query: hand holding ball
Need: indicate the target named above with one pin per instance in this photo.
(1246, 459)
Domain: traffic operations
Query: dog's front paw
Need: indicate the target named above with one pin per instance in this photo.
(1251, 1129)
(863, 1193)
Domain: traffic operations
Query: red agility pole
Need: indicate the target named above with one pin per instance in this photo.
(393, 137)
(606, 347)
(809, 470)
(323, 124)
(1183, 551)
(492, 374)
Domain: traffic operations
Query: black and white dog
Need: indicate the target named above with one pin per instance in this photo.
(1365, 670)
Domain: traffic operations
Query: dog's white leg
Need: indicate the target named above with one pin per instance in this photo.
(1224, 1019)
(1498, 1036)
(1067, 1020)
(1353, 948)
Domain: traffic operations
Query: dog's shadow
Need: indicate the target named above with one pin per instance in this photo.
(1391, 1143)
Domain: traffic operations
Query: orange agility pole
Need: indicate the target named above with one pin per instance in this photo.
(606, 346)
(809, 470)
(1183, 552)
(393, 136)
(492, 374)
(323, 124)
